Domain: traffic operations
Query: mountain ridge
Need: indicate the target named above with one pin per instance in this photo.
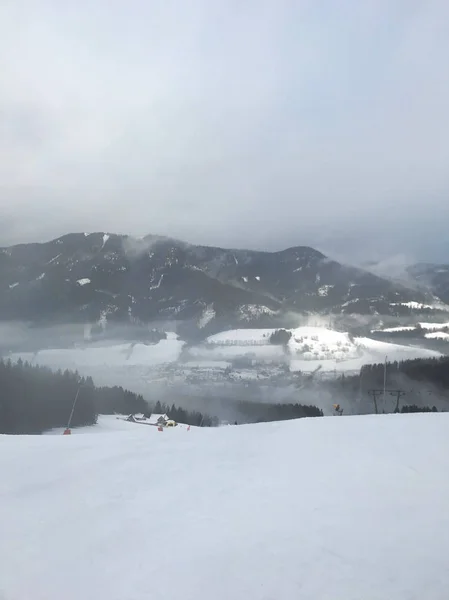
(98, 277)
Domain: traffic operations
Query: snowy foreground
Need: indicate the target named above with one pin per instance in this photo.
(352, 508)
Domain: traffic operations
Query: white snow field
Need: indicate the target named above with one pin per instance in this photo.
(437, 335)
(351, 508)
(136, 366)
(309, 347)
(114, 355)
(430, 326)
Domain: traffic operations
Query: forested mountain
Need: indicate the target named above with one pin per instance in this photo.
(99, 278)
(433, 276)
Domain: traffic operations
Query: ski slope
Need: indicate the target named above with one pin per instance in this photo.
(352, 508)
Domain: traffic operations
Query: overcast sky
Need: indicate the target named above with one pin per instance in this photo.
(255, 123)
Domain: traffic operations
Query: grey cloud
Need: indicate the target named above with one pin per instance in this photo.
(254, 124)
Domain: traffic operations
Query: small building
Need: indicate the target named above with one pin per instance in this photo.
(138, 418)
(158, 420)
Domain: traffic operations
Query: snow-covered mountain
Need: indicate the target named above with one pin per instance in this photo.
(340, 508)
(104, 277)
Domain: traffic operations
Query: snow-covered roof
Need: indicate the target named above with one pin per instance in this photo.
(155, 418)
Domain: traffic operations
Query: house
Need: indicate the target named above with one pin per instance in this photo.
(139, 418)
(158, 420)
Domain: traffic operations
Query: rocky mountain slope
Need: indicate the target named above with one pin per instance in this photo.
(433, 276)
(104, 277)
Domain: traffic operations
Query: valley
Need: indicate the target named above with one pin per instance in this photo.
(235, 365)
(208, 327)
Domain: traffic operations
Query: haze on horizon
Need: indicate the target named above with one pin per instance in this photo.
(256, 124)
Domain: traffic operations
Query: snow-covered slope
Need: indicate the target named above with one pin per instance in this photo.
(336, 508)
(437, 335)
(419, 326)
(247, 337)
(109, 424)
(308, 348)
(116, 355)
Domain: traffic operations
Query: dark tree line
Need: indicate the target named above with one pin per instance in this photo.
(112, 400)
(285, 412)
(260, 412)
(419, 378)
(413, 408)
(180, 415)
(34, 399)
(434, 371)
